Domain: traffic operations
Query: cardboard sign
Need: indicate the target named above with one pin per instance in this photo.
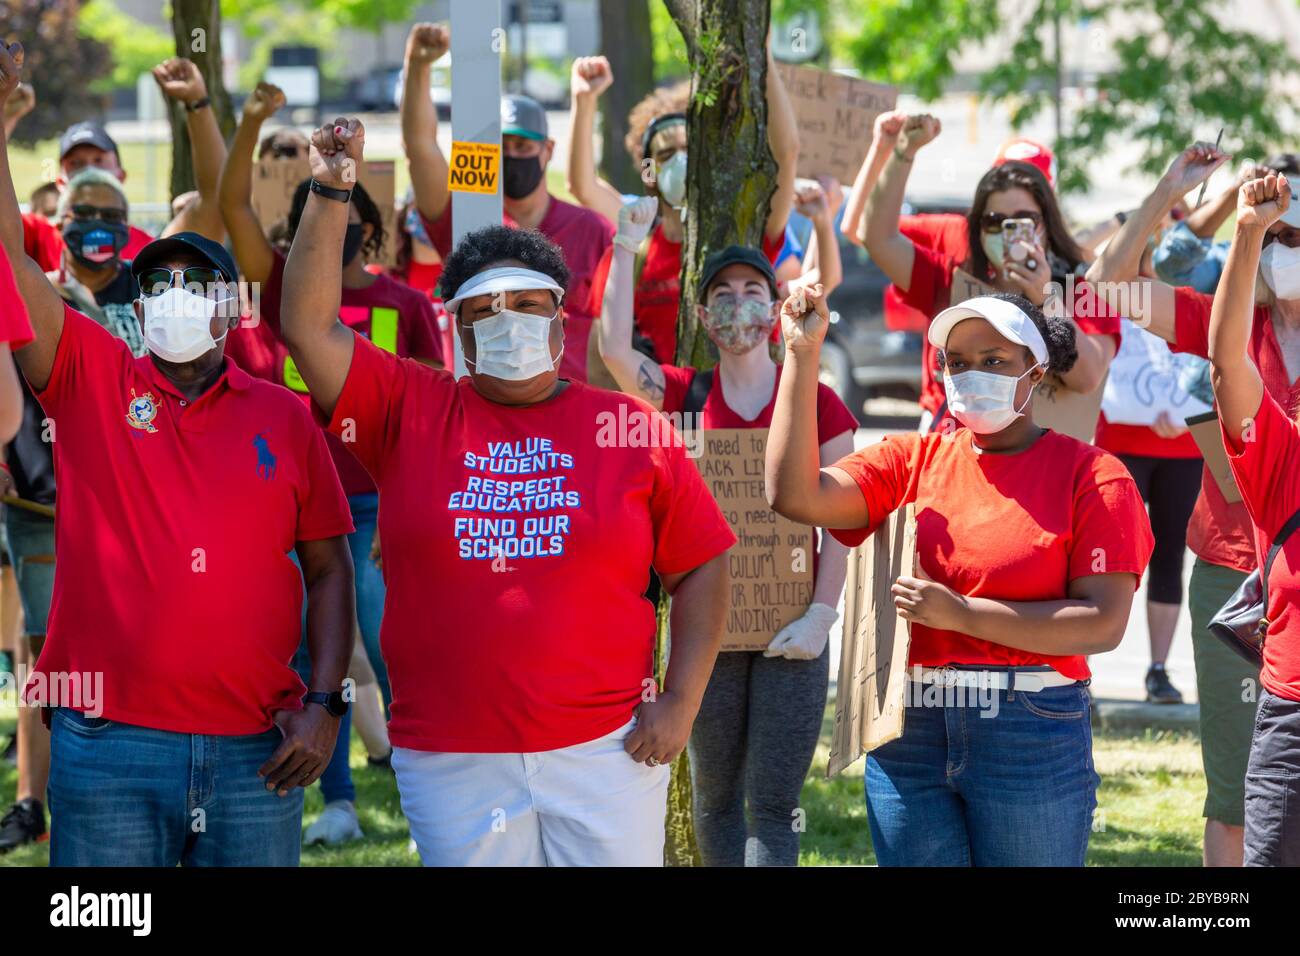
(275, 179)
(474, 168)
(1145, 380)
(836, 115)
(1209, 439)
(1056, 406)
(870, 694)
(771, 564)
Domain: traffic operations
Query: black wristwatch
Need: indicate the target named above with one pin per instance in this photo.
(198, 104)
(333, 701)
(338, 195)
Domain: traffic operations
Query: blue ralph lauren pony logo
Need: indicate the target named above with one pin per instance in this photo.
(265, 460)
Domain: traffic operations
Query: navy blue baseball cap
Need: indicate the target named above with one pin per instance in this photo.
(159, 250)
(85, 134)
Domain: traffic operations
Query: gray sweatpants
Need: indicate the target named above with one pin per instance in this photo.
(753, 742)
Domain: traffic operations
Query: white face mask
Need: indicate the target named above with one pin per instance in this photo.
(178, 325)
(514, 346)
(671, 179)
(1280, 266)
(983, 401)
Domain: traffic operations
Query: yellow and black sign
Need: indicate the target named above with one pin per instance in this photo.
(474, 167)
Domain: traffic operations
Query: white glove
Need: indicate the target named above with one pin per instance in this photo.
(804, 638)
(634, 222)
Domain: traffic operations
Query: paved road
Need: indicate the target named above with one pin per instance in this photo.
(1118, 674)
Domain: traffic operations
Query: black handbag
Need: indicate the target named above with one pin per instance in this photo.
(1241, 623)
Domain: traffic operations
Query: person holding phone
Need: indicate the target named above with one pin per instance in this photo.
(1024, 258)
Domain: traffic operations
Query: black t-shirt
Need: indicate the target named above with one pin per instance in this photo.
(31, 454)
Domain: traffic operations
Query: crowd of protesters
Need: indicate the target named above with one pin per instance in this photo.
(234, 516)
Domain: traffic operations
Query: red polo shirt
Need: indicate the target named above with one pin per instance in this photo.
(518, 543)
(15, 328)
(174, 530)
(1267, 470)
(1219, 532)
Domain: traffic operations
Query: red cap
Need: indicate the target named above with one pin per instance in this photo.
(1028, 151)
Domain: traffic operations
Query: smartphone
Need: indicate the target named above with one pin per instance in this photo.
(1018, 230)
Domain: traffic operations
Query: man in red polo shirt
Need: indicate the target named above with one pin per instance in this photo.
(526, 149)
(184, 486)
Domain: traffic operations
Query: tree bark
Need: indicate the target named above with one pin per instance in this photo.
(731, 175)
(625, 39)
(196, 26)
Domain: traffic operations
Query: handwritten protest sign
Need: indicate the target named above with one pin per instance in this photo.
(870, 691)
(1056, 406)
(1209, 439)
(771, 564)
(836, 115)
(275, 179)
(1145, 380)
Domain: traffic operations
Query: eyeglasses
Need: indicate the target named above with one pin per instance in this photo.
(157, 281)
(110, 215)
(992, 221)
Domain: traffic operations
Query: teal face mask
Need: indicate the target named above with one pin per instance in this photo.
(994, 248)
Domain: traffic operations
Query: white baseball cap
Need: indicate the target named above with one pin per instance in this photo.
(1004, 316)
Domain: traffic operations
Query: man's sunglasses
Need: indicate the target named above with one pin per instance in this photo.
(83, 212)
(992, 221)
(157, 281)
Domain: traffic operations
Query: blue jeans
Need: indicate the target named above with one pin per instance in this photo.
(961, 789)
(122, 795)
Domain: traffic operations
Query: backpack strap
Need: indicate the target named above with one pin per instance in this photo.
(1291, 524)
(697, 393)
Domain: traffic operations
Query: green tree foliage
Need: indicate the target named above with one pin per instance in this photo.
(136, 47)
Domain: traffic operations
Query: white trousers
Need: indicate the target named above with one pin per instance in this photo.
(586, 805)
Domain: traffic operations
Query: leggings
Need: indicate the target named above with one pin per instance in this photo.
(753, 741)
(1169, 486)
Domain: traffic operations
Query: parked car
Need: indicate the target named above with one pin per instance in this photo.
(861, 359)
(380, 90)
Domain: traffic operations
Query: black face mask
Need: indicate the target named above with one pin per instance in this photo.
(521, 176)
(352, 242)
(94, 243)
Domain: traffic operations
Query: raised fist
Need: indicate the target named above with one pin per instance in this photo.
(180, 80)
(591, 76)
(336, 152)
(426, 43)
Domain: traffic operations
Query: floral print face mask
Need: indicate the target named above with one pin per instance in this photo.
(737, 325)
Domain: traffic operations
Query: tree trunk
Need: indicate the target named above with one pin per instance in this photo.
(730, 179)
(731, 175)
(625, 39)
(196, 26)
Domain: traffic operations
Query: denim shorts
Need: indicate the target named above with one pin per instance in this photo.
(31, 551)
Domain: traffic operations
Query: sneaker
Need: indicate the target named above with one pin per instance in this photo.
(336, 824)
(1159, 689)
(23, 824)
(382, 763)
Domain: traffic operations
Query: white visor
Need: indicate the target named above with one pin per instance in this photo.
(502, 279)
(1007, 318)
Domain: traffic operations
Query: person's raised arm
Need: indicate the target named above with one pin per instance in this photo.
(821, 263)
(425, 43)
(253, 250)
(181, 80)
(783, 141)
(795, 482)
(636, 373)
(1238, 388)
(883, 139)
(22, 102)
(1205, 221)
(878, 230)
(590, 76)
(1151, 302)
(44, 305)
(320, 344)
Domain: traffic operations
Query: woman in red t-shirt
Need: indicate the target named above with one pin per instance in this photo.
(754, 739)
(1263, 443)
(1011, 191)
(1029, 545)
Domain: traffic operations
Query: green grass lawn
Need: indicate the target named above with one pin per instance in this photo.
(1149, 808)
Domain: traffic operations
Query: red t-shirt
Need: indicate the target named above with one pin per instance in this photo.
(583, 236)
(945, 233)
(173, 531)
(15, 327)
(833, 416)
(1267, 470)
(930, 291)
(423, 277)
(1220, 532)
(659, 289)
(44, 243)
(1013, 527)
(398, 317)
(1142, 440)
(517, 551)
